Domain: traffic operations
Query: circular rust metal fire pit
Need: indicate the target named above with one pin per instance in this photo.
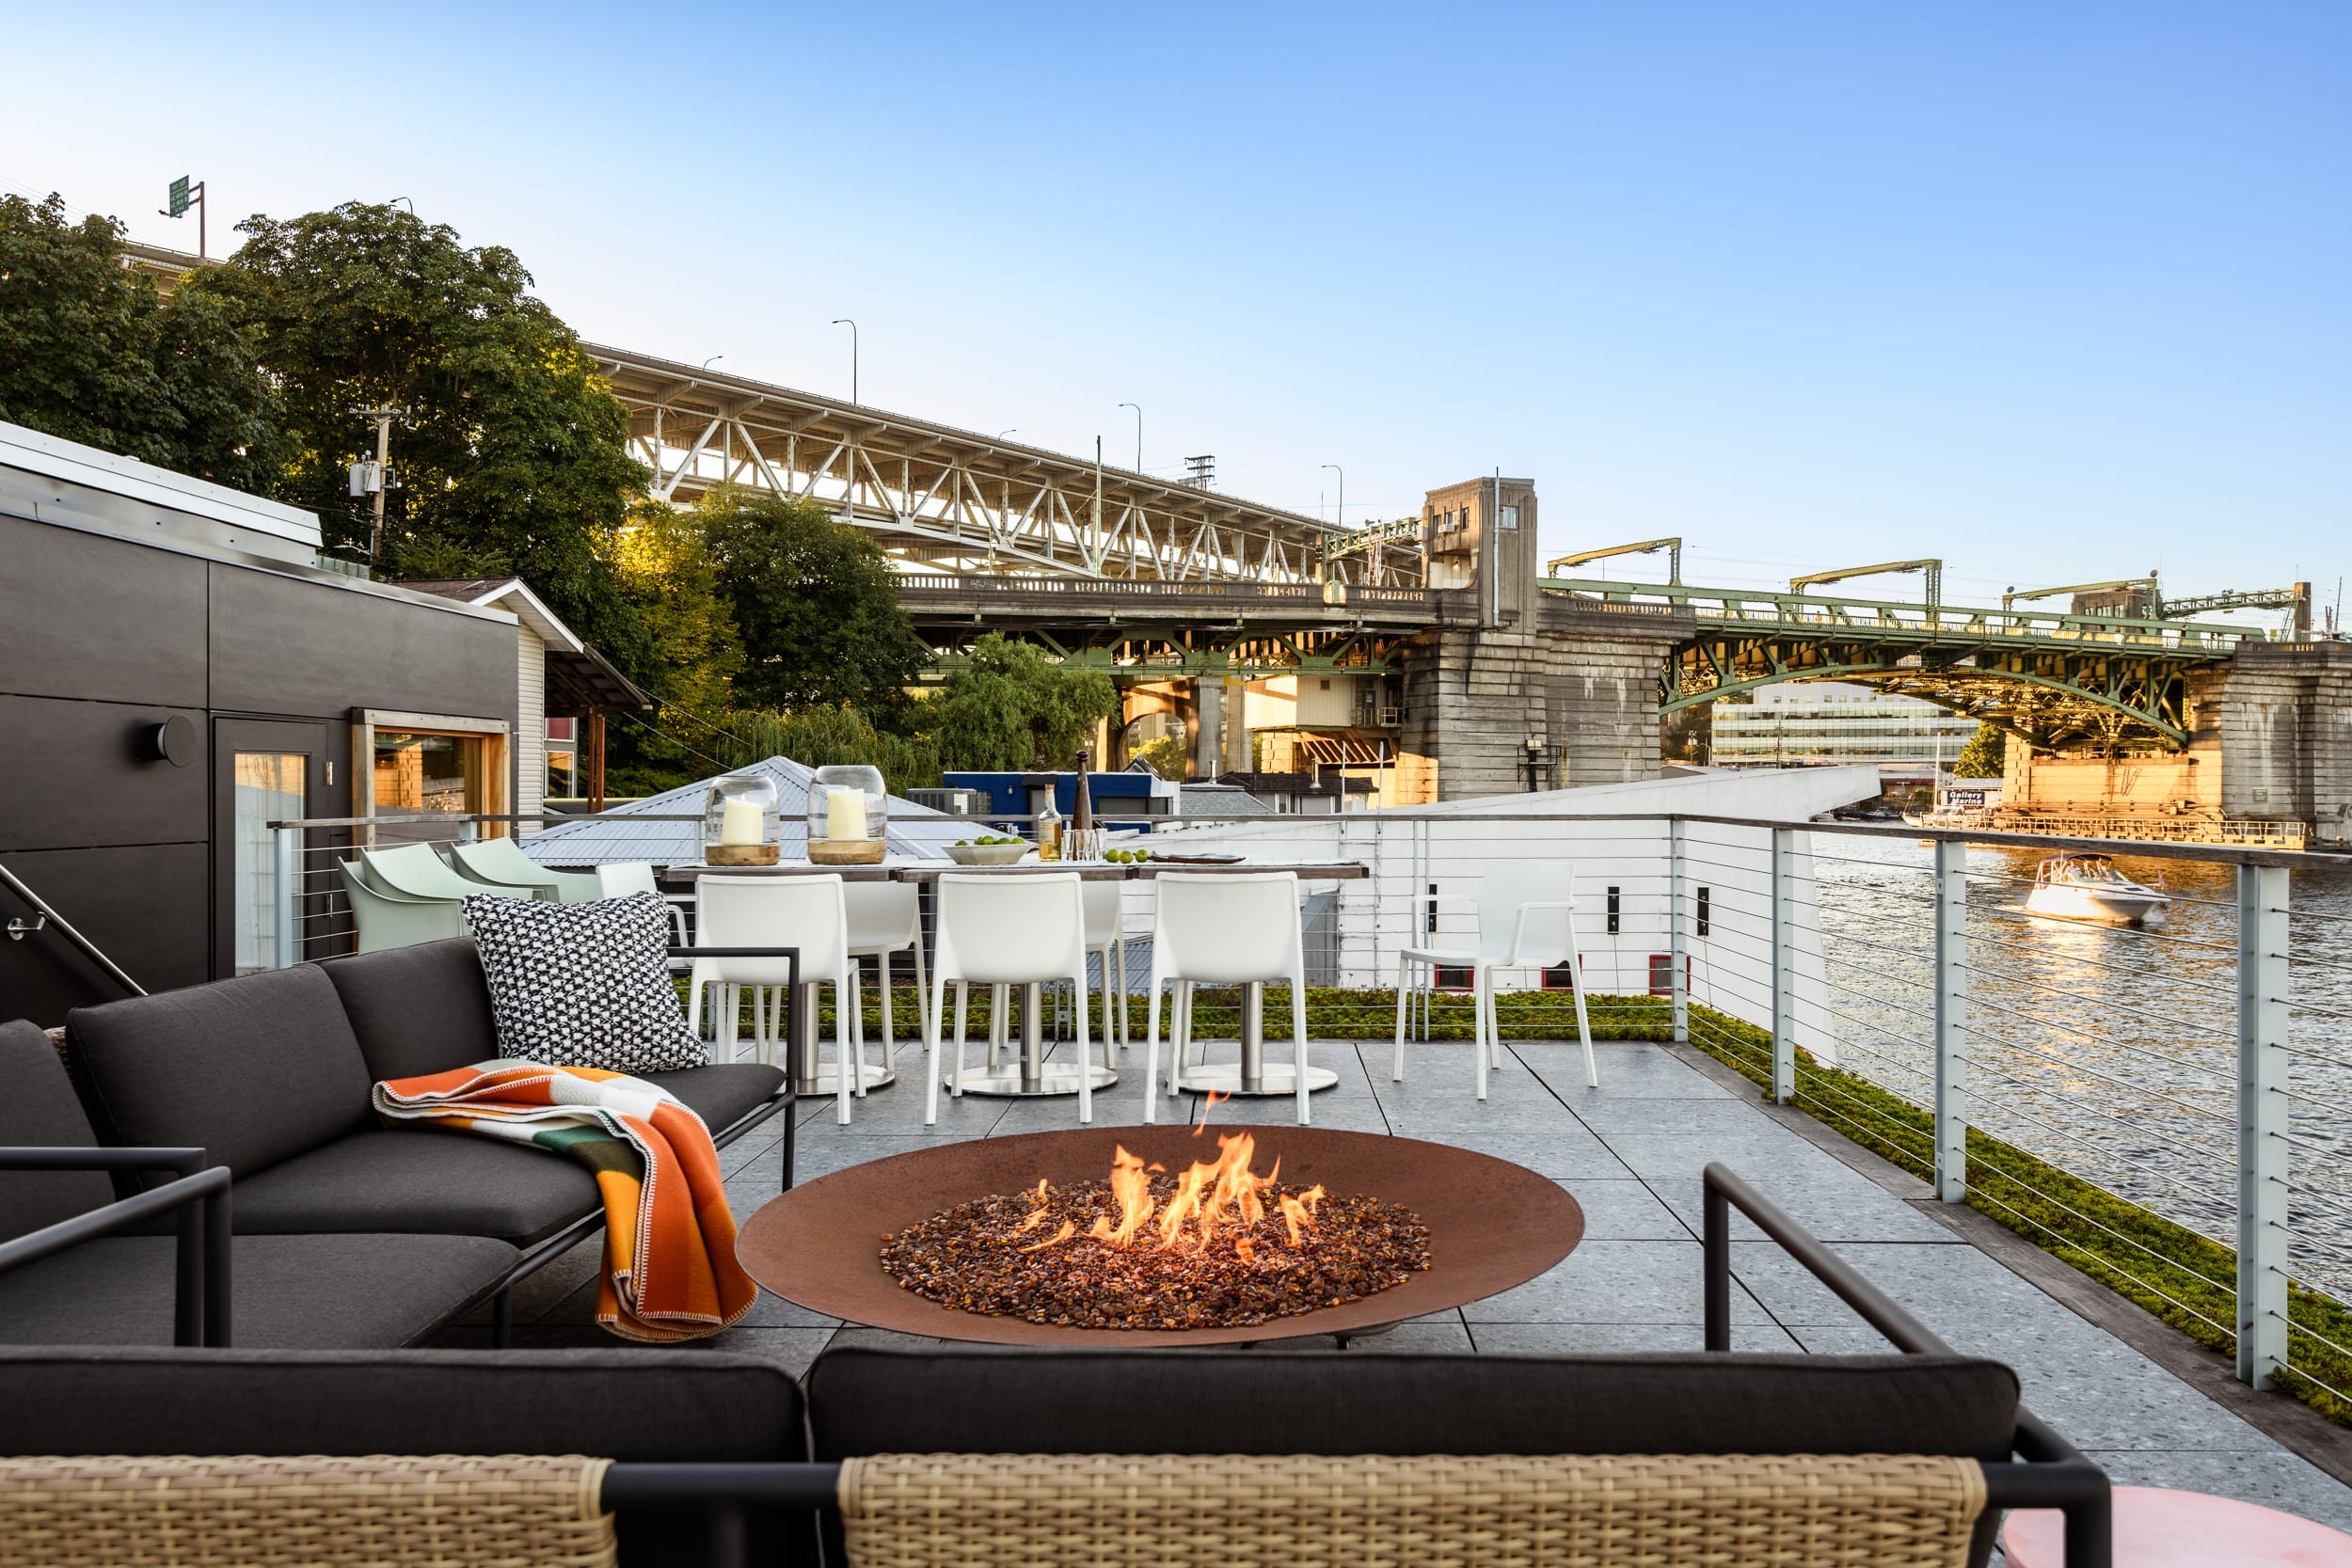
(1492, 1224)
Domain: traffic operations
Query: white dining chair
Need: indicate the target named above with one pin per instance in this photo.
(1223, 929)
(1526, 920)
(1106, 940)
(886, 918)
(1003, 930)
(620, 879)
(805, 912)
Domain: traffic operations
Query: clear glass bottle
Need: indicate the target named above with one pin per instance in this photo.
(1049, 827)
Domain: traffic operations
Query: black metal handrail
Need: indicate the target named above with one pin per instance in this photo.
(2055, 1475)
(42, 908)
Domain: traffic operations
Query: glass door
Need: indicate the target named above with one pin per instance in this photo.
(265, 772)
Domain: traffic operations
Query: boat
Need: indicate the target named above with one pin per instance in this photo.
(2082, 886)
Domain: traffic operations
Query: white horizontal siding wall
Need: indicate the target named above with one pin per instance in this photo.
(531, 723)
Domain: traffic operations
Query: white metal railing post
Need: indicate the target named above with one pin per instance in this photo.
(1678, 945)
(1951, 1021)
(286, 895)
(1784, 966)
(2261, 1123)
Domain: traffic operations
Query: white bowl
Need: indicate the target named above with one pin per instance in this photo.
(986, 854)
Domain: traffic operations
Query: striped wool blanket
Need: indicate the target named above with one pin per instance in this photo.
(670, 1271)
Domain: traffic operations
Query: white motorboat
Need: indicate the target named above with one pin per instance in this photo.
(2081, 886)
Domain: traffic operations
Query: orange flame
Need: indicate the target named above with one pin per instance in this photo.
(1069, 1228)
(1299, 1213)
(1131, 1188)
(1206, 1106)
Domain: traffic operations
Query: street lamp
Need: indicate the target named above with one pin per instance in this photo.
(844, 320)
(1342, 507)
(1138, 408)
(1002, 434)
(712, 360)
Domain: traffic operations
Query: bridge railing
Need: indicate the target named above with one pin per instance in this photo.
(1764, 607)
(1308, 593)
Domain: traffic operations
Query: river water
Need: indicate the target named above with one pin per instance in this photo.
(2111, 1052)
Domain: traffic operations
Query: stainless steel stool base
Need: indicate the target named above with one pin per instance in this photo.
(877, 1077)
(1276, 1078)
(1054, 1078)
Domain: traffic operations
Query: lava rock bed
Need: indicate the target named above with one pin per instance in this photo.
(972, 1259)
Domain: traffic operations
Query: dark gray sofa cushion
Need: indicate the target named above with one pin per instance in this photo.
(419, 1180)
(723, 1091)
(291, 1293)
(661, 1406)
(1124, 1402)
(252, 1071)
(37, 1110)
(418, 1010)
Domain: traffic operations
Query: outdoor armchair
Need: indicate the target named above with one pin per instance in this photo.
(388, 920)
(415, 871)
(500, 863)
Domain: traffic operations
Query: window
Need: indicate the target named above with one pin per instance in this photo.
(269, 788)
(1509, 517)
(428, 765)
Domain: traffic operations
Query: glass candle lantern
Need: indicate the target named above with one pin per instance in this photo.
(848, 812)
(740, 821)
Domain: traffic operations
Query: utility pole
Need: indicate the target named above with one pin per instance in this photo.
(182, 196)
(1138, 408)
(377, 477)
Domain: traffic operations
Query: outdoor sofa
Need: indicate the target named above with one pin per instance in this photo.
(269, 1076)
(950, 1456)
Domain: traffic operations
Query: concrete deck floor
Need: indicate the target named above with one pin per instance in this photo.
(1630, 1151)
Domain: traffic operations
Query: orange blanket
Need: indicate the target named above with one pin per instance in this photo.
(670, 1271)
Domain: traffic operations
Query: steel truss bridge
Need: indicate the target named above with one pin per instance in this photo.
(954, 500)
(1156, 630)
(2046, 676)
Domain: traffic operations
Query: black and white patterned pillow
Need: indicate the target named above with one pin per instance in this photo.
(584, 985)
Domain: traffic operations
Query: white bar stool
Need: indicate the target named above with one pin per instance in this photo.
(805, 912)
(887, 918)
(1003, 930)
(1228, 929)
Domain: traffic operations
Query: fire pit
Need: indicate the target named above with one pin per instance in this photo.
(1073, 1237)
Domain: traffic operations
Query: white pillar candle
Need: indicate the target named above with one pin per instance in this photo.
(739, 823)
(844, 814)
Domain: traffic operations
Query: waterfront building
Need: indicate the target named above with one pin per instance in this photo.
(1811, 723)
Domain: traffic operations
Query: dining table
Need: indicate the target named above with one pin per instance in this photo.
(1031, 1076)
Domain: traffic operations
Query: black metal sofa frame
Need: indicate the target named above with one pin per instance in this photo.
(1028, 1402)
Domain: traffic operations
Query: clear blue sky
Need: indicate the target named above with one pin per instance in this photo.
(2054, 292)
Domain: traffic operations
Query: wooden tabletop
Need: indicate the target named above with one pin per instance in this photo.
(907, 870)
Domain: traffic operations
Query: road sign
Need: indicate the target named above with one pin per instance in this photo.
(179, 195)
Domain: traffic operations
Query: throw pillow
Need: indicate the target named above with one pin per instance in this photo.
(584, 985)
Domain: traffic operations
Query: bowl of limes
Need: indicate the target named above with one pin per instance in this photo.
(988, 849)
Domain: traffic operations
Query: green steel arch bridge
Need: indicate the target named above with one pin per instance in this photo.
(2051, 676)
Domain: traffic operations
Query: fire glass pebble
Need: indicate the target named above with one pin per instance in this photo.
(972, 1259)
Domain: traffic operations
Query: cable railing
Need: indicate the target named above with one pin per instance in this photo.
(2164, 1107)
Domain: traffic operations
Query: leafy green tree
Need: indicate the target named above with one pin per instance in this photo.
(815, 603)
(825, 734)
(667, 576)
(1986, 754)
(93, 352)
(1166, 755)
(512, 455)
(1010, 706)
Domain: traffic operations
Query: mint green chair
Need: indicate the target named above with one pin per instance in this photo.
(414, 871)
(389, 920)
(501, 863)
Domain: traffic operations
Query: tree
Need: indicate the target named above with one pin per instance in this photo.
(662, 561)
(511, 454)
(1009, 707)
(93, 352)
(1986, 754)
(825, 734)
(816, 605)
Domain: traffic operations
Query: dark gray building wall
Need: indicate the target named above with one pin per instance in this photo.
(101, 639)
